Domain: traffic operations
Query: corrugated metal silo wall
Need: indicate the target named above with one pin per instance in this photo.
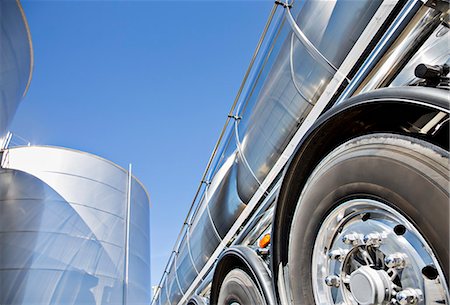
(63, 230)
(15, 60)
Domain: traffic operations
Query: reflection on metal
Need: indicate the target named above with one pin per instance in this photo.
(391, 34)
(312, 50)
(433, 122)
(425, 21)
(260, 221)
(63, 219)
(291, 60)
(433, 52)
(16, 60)
(241, 154)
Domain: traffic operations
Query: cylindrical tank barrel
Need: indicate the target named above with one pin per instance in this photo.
(67, 235)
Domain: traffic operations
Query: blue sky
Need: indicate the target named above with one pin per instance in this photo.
(142, 82)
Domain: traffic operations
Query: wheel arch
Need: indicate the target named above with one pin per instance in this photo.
(246, 259)
(389, 110)
(196, 300)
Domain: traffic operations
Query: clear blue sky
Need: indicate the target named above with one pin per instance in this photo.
(142, 82)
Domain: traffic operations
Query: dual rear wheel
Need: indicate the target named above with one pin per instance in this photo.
(371, 227)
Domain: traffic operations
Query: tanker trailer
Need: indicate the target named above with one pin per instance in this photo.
(329, 183)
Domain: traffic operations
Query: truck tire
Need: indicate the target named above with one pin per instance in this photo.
(196, 300)
(372, 225)
(239, 288)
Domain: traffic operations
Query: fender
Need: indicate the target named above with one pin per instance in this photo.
(245, 258)
(392, 110)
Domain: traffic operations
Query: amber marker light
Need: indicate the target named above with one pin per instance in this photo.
(264, 241)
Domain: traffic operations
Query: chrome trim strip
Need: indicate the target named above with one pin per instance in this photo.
(433, 122)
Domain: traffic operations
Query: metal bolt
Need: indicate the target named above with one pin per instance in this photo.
(337, 254)
(352, 239)
(373, 239)
(409, 296)
(333, 281)
(395, 260)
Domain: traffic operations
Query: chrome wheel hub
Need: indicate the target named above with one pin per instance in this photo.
(366, 253)
(370, 286)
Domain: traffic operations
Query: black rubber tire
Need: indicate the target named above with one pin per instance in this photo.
(239, 287)
(408, 174)
(196, 300)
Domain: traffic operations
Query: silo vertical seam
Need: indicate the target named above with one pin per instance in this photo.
(127, 238)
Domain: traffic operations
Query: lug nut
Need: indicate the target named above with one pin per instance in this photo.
(352, 239)
(395, 260)
(337, 254)
(409, 296)
(373, 239)
(333, 281)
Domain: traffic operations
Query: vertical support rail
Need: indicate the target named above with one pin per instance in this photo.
(127, 238)
(6, 140)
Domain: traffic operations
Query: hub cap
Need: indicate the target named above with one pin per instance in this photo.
(367, 253)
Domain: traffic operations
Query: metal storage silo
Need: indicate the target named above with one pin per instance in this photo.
(16, 60)
(74, 229)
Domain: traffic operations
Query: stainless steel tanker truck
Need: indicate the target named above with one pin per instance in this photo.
(329, 183)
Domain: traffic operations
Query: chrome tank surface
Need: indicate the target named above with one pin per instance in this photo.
(423, 24)
(16, 60)
(64, 237)
(435, 51)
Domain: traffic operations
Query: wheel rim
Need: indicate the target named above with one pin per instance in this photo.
(368, 253)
